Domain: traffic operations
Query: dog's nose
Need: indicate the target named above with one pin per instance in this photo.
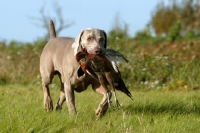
(97, 51)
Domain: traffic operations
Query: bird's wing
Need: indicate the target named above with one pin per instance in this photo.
(92, 74)
(115, 67)
(115, 56)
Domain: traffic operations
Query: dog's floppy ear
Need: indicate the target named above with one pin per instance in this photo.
(105, 35)
(76, 45)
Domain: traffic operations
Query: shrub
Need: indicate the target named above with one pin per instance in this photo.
(117, 37)
(19, 63)
(189, 34)
(174, 32)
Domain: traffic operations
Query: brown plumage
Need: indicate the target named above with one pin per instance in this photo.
(101, 68)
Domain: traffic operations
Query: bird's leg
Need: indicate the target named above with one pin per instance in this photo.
(109, 95)
(104, 85)
(116, 100)
(110, 80)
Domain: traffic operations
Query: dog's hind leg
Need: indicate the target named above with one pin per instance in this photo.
(48, 104)
(47, 74)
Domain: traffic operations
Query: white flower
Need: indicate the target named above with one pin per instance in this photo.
(144, 69)
(8, 57)
(156, 82)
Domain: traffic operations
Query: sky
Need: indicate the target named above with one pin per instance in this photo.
(17, 23)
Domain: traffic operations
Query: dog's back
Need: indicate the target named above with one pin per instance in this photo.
(51, 58)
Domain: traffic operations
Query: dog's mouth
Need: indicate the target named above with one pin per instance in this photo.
(94, 51)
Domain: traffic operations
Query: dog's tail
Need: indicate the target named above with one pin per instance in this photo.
(52, 30)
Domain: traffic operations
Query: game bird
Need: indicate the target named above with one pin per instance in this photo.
(103, 67)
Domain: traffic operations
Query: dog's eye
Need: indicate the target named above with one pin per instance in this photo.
(89, 39)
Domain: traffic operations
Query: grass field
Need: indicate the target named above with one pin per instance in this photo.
(151, 111)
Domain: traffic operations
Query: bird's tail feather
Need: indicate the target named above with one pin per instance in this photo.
(122, 87)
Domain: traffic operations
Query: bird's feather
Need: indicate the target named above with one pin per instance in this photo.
(114, 57)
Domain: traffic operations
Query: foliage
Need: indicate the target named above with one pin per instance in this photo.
(190, 34)
(19, 63)
(174, 31)
(165, 16)
(40, 43)
(117, 37)
(162, 71)
(150, 111)
(143, 34)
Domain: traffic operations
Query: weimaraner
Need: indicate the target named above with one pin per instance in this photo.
(58, 57)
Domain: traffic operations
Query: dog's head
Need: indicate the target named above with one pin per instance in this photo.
(93, 40)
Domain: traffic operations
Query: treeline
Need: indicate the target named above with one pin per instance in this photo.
(178, 18)
(169, 22)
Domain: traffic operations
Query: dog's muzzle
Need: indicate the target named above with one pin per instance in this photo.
(94, 51)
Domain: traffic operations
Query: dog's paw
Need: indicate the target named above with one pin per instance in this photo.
(48, 104)
(58, 107)
(101, 110)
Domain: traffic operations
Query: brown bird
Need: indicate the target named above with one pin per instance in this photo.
(103, 68)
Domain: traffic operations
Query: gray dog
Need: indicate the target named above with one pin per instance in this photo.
(58, 57)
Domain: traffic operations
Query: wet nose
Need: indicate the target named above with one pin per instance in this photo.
(97, 51)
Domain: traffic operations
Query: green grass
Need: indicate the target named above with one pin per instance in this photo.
(152, 111)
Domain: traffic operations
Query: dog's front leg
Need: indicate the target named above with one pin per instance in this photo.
(70, 98)
(61, 99)
(103, 106)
